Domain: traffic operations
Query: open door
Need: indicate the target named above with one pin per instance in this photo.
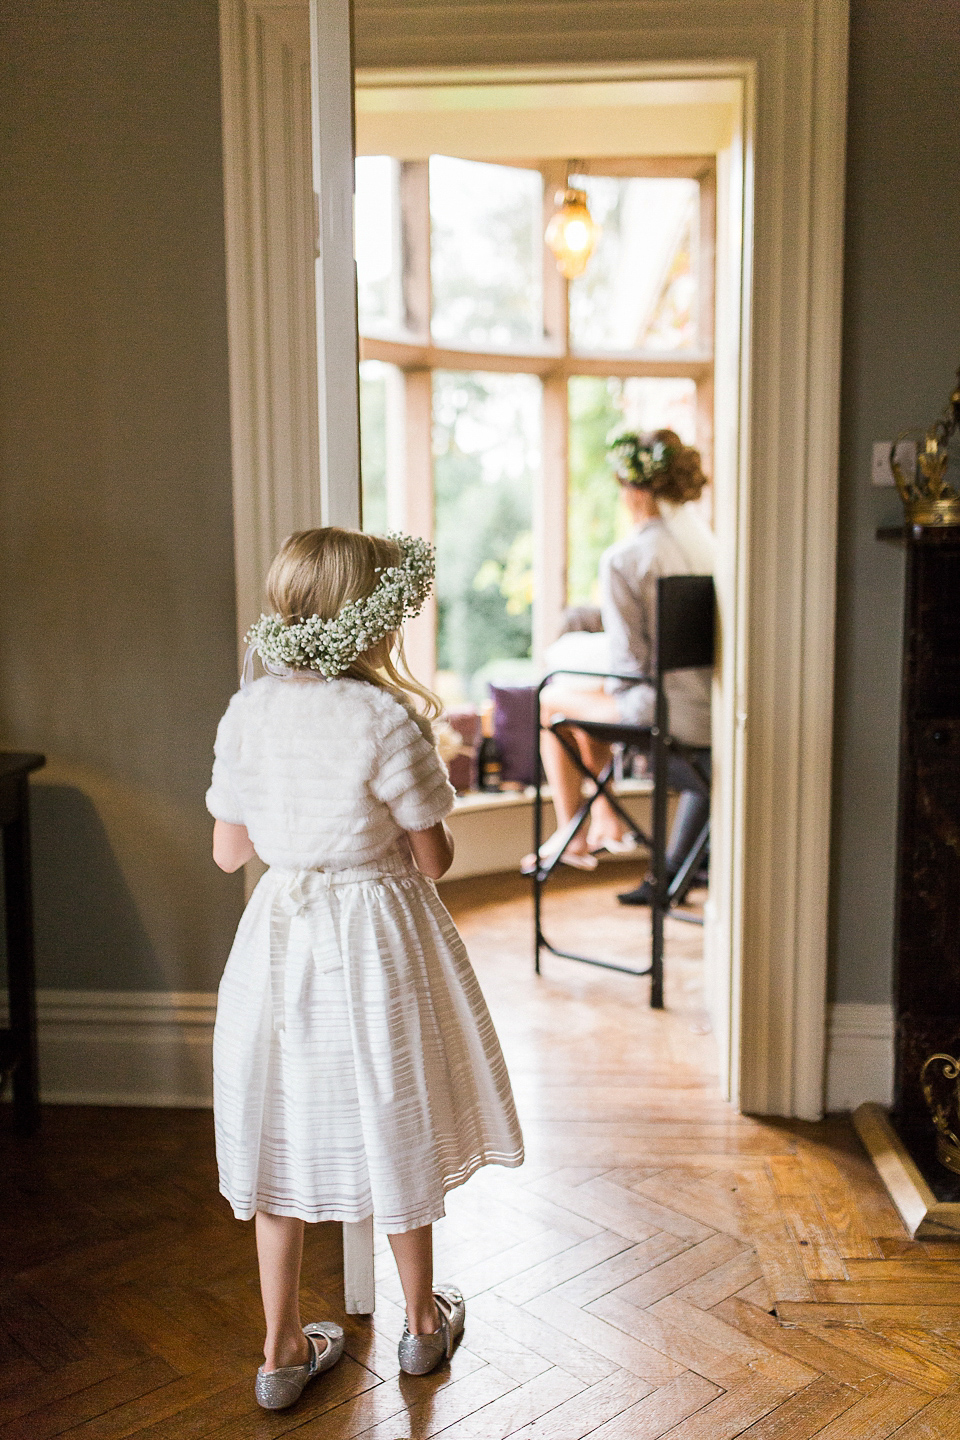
(331, 116)
(338, 404)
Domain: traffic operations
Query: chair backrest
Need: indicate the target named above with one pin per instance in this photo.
(686, 612)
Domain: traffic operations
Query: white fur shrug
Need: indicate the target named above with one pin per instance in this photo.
(325, 774)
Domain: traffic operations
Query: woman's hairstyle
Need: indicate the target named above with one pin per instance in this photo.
(659, 462)
(317, 572)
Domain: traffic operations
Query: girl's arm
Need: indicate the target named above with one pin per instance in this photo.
(232, 846)
(432, 850)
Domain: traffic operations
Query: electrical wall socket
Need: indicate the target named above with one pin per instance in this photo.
(880, 473)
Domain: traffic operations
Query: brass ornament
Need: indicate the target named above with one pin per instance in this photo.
(928, 497)
(944, 1107)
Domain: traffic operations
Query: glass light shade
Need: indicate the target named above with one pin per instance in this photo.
(572, 233)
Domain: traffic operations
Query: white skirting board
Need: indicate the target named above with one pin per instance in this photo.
(859, 1056)
(154, 1048)
(125, 1047)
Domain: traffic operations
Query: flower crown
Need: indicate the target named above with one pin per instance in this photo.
(331, 646)
(635, 462)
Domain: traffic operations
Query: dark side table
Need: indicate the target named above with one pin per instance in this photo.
(18, 1043)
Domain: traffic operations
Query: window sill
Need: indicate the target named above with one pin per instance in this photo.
(472, 802)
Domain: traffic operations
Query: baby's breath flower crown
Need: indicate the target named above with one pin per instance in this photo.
(635, 462)
(331, 646)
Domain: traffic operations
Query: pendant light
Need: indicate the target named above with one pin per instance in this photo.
(572, 233)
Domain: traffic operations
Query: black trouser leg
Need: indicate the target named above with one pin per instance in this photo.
(690, 818)
(693, 812)
(693, 807)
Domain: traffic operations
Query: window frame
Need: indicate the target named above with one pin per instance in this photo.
(415, 355)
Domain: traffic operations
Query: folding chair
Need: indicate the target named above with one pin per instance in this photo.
(686, 606)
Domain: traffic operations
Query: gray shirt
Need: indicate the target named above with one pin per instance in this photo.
(629, 572)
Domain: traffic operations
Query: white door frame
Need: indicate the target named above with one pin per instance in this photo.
(777, 589)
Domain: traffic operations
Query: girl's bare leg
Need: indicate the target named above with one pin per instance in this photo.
(413, 1252)
(279, 1252)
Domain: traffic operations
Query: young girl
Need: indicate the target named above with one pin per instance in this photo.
(356, 1069)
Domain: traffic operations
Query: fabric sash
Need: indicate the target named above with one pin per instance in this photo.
(296, 894)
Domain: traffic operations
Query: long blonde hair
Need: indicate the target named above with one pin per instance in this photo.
(316, 572)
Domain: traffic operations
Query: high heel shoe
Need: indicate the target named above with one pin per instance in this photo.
(614, 845)
(419, 1354)
(277, 1389)
(577, 859)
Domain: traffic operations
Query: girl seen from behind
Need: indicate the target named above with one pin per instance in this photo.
(356, 1068)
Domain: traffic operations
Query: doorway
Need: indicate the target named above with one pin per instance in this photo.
(489, 381)
(775, 405)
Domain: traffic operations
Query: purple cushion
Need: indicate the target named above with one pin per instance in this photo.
(514, 717)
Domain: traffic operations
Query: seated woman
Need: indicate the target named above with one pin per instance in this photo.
(658, 477)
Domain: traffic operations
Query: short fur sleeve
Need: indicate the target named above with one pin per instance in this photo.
(221, 798)
(409, 777)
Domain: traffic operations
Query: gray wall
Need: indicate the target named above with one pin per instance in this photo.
(117, 617)
(901, 350)
(116, 607)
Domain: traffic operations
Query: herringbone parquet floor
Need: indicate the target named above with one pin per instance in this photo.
(660, 1267)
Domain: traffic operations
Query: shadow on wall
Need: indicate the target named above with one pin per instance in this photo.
(85, 917)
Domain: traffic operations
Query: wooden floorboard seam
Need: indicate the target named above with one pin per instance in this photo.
(663, 1268)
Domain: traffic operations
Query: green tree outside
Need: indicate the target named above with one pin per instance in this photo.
(595, 519)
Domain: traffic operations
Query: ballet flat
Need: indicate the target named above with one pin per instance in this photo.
(276, 1389)
(419, 1354)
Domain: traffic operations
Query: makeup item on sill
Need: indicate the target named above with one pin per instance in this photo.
(489, 764)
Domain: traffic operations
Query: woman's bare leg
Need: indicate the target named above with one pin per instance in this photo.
(564, 777)
(279, 1252)
(413, 1252)
(564, 780)
(605, 823)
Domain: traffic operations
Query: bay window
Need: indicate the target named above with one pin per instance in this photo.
(489, 383)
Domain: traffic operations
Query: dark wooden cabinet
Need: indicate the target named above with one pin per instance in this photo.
(18, 1041)
(927, 970)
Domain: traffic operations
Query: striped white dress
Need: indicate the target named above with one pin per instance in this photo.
(356, 1068)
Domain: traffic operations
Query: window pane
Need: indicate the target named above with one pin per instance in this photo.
(486, 227)
(486, 445)
(639, 291)
(377, 243)
(373, 444)
(596, 407)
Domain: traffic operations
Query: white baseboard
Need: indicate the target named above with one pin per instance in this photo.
(116, 1047)
(859, 1056)
(154, 1048)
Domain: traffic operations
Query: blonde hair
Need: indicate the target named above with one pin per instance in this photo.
(316, 572)
(681, 479)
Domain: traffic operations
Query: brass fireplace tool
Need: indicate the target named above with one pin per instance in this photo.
(928, 497)
(942, 1095)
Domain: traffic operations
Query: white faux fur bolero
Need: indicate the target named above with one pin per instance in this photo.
(325, 774)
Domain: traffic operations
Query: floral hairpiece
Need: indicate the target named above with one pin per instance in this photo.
(635, 461)
(331, 646)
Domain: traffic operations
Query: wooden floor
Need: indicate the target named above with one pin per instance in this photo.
(660, 1266)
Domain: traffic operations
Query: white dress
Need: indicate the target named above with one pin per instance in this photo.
(356, 1068)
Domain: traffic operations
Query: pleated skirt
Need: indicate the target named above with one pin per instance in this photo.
(356, 1068)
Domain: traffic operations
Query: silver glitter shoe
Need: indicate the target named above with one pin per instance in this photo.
(276, 1389)
(419, 1354)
